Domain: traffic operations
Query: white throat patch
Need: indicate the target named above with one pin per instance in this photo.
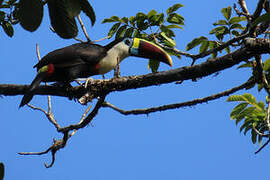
(117, 53)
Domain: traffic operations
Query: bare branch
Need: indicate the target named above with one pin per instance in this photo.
(83, 28)
(81, 120)
(179, 105)
(260, 133)
(259, 9)
(35, 153)
(86, 120)
(98, 40)
(243, 6)
(239, 13)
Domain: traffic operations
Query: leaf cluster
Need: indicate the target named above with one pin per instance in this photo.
(155, 27)
(29, 13)
(8, 16)
(252, 114)
(228, 26)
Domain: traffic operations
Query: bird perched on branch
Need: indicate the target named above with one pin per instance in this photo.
(82, 60)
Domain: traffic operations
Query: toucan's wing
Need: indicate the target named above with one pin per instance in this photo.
(80, 53)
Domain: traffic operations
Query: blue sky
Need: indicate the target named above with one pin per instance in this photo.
(200, 142)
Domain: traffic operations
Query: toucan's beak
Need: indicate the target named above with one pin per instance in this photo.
(146, 49)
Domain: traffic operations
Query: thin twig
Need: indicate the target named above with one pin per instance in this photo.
(263, 146)
(102, 39)
(36, 108)
(178, 105)
(86, 120)
(83, 116)
(35, 153)
(259, 9)
(83, 28)
(239, 13)
(260, 133)
(243, 6)
(77, 39)
(37, 52)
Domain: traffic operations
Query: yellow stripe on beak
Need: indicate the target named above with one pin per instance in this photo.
(136, 43)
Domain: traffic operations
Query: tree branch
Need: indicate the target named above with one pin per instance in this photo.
(179, 105)
(98, 87)
(86, 120)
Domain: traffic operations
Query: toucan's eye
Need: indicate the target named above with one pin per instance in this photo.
(127, 41)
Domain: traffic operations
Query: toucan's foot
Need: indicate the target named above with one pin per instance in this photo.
(87, 81)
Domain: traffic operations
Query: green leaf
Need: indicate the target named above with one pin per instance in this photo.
(30, 14)
(195, 42)
(244, 114)
(221, 22)
(261, 105)
(266, 65)
(171, 26)
(235, 20)
(113, 29)
(262, 18)
(173, 53)
(170, 42)
(73, 7)
(248, 128)
(87, 8)
(246, 65)
(2, 15)
(2, 171)
(204, 46)
(132, 20)
(124, 20)
(212, 45)
(227, 12)
(237, 26)
(111, 19)
(219, 30)
(140, 21)
(260, 87)
(228, 49)
(129, 32)
(236, 98)
(250, 98)
(238, 109)
(151, 14)
(121, 32)
(169, 33)
(253, 136)
(64, 25)
(175, 18)
(156, 20)
(8, 28)
(174, 8)
(153, 65)
(235, 33)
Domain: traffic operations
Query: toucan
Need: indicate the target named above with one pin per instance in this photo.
(82, 60)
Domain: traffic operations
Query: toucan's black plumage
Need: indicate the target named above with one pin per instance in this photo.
(82, 60)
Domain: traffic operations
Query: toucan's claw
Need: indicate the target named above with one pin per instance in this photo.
(88, 80)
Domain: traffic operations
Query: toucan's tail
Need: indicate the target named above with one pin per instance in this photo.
(30, 93)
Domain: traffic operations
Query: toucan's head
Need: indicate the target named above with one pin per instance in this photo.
(142, 48)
